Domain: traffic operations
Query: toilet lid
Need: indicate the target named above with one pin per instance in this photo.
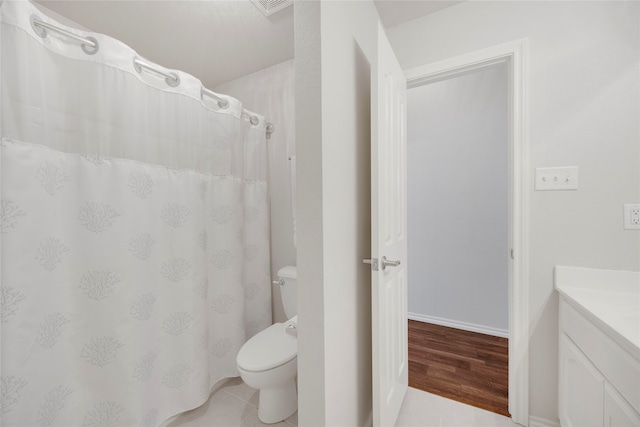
(268, 349)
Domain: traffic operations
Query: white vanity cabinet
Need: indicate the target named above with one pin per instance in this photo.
(581, 388)
(617, 412)
(599, 347)
(586, 398)
(599, 381)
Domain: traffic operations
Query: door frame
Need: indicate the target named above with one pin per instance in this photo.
(515, 54)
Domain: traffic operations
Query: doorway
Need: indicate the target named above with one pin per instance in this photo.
(514, 55)
(458, 219)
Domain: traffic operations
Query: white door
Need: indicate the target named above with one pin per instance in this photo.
(388, 235)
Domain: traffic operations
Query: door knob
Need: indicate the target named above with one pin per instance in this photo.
(386, 263)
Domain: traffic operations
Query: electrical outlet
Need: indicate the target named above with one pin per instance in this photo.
(632, 217)
(550, 179)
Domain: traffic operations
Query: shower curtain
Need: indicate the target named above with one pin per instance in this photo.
(134, 233)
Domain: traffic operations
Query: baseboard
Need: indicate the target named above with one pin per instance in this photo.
(542, 422)
(471, 327)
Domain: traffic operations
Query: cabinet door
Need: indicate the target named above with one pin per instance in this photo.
(581, 388)
(617, 412)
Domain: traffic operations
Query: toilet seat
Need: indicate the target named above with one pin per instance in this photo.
(268, 349)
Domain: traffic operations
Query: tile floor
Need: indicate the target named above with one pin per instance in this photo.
(234, 404)
(231, 404)
(422, 409)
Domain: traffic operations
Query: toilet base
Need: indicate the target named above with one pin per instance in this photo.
(278, 403)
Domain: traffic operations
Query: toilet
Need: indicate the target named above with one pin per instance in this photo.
(269, 360)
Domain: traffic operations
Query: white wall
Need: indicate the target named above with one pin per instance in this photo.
(335, 45)
(61, 19)
(270, 92)
(584, 104)
(311, 305)
(457, 194)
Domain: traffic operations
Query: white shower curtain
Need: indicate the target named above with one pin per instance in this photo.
(134, 234)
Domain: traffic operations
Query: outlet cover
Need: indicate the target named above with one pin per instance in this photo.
(557, 179)
(632, 217)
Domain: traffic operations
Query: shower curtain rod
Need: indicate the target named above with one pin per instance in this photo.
(172, 79)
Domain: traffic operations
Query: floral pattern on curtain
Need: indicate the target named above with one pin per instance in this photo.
(134, 233)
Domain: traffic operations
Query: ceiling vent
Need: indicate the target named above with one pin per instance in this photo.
(269, 7)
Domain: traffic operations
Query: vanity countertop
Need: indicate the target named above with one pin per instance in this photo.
(608, 298)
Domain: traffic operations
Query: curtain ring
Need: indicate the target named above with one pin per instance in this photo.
(89, 50)
(173, 80)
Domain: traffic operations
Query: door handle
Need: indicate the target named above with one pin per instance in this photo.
(385, 263)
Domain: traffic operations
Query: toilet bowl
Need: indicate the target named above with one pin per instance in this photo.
(268, 361)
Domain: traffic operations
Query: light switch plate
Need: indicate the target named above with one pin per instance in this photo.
(555, 179)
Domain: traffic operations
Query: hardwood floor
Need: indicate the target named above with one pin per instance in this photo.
(469, 367)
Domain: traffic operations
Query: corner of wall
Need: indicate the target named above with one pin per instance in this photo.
(311, 348)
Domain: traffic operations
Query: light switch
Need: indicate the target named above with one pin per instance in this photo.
(550, 179)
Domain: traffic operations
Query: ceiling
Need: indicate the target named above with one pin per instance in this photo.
(396, 12)
(214, 40)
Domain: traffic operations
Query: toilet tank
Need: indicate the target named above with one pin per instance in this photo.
(288, 292)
